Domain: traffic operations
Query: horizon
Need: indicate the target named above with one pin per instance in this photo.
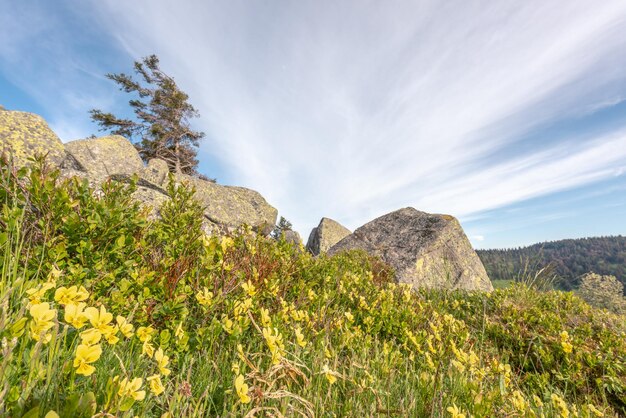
(510, 117)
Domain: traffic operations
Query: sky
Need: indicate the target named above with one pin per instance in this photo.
(509, 115)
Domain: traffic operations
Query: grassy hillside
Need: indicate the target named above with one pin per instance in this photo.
(104, 312)
(570, 259)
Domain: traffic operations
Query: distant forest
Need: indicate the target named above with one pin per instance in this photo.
(570, 259)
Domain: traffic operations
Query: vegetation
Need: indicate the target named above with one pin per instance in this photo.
(103, 312)
(604, 292)
(162, 113)
(570, 259)
(282, 226)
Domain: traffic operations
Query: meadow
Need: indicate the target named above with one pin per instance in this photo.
(106, 312)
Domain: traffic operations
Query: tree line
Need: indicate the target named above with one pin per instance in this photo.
(570, 259)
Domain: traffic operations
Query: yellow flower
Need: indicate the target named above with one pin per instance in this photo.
(204, 297)
(84, 356)
(126, 328)
(249, 288)
(131, 389)
(74, 314)
(145, 333)
(596, 412)
(537, 401)
(300, 338)
(227, 324)
(266, 320)
(274, 341)
(566, 342)
(242, 389)
(110, 333)
(99, 319)
(156, 386)
(455, 412)
(147, 349)
(162, 361)
(35, 295)
(73, 294)
(91, 336)
(329, 374)
(42, 321)
(518, 401)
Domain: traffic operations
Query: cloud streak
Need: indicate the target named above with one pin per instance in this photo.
(352, 109)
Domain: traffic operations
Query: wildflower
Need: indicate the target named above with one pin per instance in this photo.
(35, 295)
(249, 288)
(274, 341)
(73, 294)
(537, 401)
(74, 314)
(566, 342)
(227, 324)
(455, 412)
(179, 332)
(204, 297)
(560, 405)
(596, 412)
(147, 349)
(90, 337)
(234, 367)
(99, 319)
(518, 401)
(300, 338)
(349, 316)
(125, 327)
(84, 356)
(329, 374)
(110, 333)
(162, 361)
(145, 333)
(42, 321)
(242, 389)
(266, 320)
(131, 389)
(156, 386)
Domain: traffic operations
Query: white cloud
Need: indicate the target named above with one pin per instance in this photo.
(350, 110)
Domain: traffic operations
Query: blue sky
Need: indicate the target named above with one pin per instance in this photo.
(509, 115)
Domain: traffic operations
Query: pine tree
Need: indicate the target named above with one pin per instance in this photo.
(161, 126)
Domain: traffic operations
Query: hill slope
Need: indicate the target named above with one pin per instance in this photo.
(104, 312)
(571, 259)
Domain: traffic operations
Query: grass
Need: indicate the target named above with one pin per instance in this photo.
(242, 325)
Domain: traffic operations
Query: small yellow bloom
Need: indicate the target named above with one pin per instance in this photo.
(131, 389)
(74, 314)
(110, 333)
(156, 386)
(35, 295)
(73, 294)
(99, 319)
(249, 288)
(147, 349)
(329, 374)
(455, 412)
(242, 389)
(204, 297)
(91, 336)
(266, 320)
(84, 356)
(162, 361)
(596, 412)
(42, 321)
(126, 328)
(145, 333)
(300, 338)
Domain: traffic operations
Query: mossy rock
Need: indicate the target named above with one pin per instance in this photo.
(325, 235)
(426, 250)
(24, 135)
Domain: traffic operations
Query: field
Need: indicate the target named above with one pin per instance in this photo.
(105, 312)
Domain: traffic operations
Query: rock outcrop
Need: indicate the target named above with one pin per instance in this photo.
(325, 235)
(24, 135)
(113, 157)
(426, 250)
(292, 237)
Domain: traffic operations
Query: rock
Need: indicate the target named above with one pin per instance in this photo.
(101, 158)
(325, 235)
(156, 172)
(426, 250)
(230, 206)
(24, 135)
(292, 237)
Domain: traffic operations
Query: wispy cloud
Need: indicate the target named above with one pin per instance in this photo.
(351, 109)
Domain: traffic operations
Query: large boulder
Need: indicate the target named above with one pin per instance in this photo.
(101, 158)
(24, 135)
(231, 206)
(426, 250)
(325, 235)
